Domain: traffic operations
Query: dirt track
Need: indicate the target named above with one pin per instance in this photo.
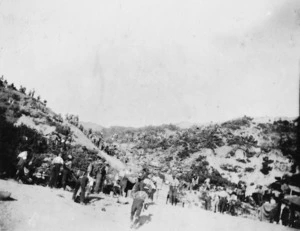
(40, 208)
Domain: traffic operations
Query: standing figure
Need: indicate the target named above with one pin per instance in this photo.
(173, 190)
(100, 178)
(92, 171)
(21, 164)
(81, 183)
(56, 165)
(215, 201)
(223, 200)
(67, 169)
(285, 215)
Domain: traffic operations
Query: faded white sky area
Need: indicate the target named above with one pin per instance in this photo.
(141, 62)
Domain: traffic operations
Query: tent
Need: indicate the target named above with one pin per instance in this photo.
(294, 189)
(292, 199)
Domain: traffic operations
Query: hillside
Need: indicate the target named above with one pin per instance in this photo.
(253, 151)
(26, 123)
(245, 149)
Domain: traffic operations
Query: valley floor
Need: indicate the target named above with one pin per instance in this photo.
(41, 208)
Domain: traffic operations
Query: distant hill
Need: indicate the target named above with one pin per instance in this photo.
(94, 126)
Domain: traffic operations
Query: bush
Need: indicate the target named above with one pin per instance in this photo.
(241, 161)
(265, 167)
(230, 168)
(183, 154)
(16, 97)
(249, 169)
(12, 142)
(64, 130)
(200, 158)
(238, 123)
(168, 158)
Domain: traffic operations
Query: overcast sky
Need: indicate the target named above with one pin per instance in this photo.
(141, 62)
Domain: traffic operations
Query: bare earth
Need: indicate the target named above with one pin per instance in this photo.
(41, 208)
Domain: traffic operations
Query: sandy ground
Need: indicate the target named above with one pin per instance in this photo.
(41, 208)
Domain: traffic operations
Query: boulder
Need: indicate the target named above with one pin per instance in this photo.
(4, 195)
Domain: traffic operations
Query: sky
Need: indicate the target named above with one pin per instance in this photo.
(141, 62)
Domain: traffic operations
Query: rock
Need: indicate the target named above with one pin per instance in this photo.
(4, 195)
(103, 209)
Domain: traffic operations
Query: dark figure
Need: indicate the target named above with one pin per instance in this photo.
(231, 208)
(117, 188)
(292, 216)
(54, 175)
(66, 172)
(285, 215)
(124, 182)
(100, 178)
(278, 209)
(208, 202)
(173, 195)
(174, 183)
(82, 184)
(223, 204)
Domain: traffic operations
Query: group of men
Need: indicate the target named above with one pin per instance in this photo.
(92, 180)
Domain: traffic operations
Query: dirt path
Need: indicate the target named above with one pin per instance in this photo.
(41, 208)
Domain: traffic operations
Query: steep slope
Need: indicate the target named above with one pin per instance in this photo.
(36, 128)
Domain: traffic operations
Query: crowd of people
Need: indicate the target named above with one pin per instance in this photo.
(146, 186)
(267, 204)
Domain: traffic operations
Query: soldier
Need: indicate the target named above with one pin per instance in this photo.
(67, 169)
(100, 178)
(140, 194)
(173, 189)
(81, 183)
(57, 163)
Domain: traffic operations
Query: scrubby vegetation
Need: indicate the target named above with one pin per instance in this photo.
(168, 145)
(13, 140)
